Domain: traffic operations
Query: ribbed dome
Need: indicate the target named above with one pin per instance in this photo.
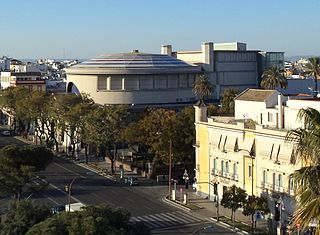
(134, 60)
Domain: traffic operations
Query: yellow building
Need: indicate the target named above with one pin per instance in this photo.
(254, 157)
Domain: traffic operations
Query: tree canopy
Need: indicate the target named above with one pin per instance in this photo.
(203, 87)
(91, 220)
(18, 165)
(272, 78)
(306, 141)
(228, 99)
(22, 216)
(312, 68)
(233, 198)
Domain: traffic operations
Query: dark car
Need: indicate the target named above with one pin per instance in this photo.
(58, 209)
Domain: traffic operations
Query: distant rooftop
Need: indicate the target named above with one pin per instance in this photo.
(255, 95)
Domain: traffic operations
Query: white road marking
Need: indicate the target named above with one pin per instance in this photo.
(74, 198)
(77, 174)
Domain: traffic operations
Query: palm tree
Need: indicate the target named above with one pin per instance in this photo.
(313, 69)
(307, 184)
(202, 87)
(273, 77)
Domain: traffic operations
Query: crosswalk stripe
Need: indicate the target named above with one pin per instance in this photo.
(168, 219)
(134, 219)
(183, 218)
(188, 216)
(147, 223)
(156, 221)
(172, 221)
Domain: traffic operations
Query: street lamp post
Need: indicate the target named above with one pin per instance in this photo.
(68, 189)
(170, 167)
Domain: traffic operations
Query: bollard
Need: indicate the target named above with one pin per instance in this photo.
(185, 198)
(173, 195)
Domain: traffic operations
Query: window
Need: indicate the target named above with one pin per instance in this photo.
(235, 169)
(280, 180)
(214, 164)
(160, 82)
(291, 185)
(183, 80)
(220, 142)
(270, 117)
(250, 171)
(116, 82)
(274, 180)
(265, 177)
(102, 83)
(222, 166)
(227, 167)
(271, 152)
(146, 82)
(172, 81)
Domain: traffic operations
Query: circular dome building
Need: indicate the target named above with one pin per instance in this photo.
(134, 78)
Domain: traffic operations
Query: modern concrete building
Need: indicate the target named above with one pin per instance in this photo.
(230, 65)
(250, 150)
(134, 78)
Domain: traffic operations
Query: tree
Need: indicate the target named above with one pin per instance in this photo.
(71, 111)
(91, 220)
(202, 87)
(102, 128)
(21, 217)
(228, 99)
(313, 69)
(306, 141)
(13, 100)
(18, 165)
(253, 204)
(233, 198)
(272, 78)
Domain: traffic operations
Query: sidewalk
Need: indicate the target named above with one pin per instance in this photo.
(208, 209)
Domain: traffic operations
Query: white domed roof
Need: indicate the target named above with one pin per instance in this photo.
(135, 62)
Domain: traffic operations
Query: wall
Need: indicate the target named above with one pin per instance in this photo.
(88, 84)
(249, 110)
(202, 160)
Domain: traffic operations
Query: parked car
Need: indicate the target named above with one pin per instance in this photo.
(131, 181)
(6, 133)
(58, 209)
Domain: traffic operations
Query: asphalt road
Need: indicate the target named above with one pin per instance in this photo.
(142, 201)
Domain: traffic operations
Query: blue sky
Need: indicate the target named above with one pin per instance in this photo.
(86, 28)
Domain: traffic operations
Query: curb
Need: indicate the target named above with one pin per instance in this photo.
(175, 204)
(238, 231)
(95, 171)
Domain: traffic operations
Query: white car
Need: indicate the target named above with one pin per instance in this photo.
(6, 133)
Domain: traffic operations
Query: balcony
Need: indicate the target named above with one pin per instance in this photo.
(215, 172)
(265, 185)
(235, 177)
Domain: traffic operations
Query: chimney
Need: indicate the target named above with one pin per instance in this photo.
(207, 56)
(200, 111)
(280, 111)
(166, 50)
